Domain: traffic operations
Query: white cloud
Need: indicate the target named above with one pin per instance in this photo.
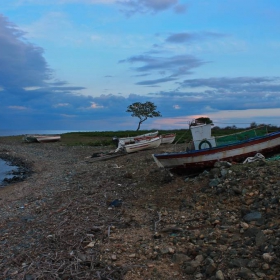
(95, 106)
(61, 105)
(243, 114)
(209, 109)
(31, 88)
(68, 116)
(17, 107)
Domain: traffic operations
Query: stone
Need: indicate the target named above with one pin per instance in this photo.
(267, 257)
(244, 225)
(164, 250)
(180, 258)
(214, 182)
(246, 274)
(224, 172)
(265, 266)
(210, 269)
(254, 263)
(260, 238)
(189, 269)
(220, 275)
(253, 216)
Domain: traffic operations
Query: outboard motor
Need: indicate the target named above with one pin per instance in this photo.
(116, 140)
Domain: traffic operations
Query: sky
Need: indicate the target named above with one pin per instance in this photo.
(78, 64)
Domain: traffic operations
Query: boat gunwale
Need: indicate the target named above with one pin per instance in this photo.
(257, 139)
(144, 142)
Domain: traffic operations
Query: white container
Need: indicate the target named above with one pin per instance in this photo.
(202, 133)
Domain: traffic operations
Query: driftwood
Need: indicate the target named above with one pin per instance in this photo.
(104, 156)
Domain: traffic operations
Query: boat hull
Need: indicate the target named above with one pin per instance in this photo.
(168, 138)
(143, 145)
(48, 139)
(147, 136)
(41, 138)
(206, 158)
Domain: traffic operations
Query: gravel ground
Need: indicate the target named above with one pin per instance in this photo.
(75, 218)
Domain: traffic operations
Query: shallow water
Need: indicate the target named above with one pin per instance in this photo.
(6, 171)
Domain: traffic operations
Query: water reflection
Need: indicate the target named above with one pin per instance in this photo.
(6, 171)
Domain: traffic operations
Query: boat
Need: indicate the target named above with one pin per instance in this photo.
(132, 139)
(139, 145)
(168, 138)
(150, 134)
(204, 150)
(41, 138)
(48, 138)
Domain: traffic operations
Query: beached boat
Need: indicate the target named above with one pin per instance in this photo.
(168, 138)
(41, 138)
(132, 139)
(139, 145)
(204, 150)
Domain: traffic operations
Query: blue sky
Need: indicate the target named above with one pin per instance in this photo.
(78, 64)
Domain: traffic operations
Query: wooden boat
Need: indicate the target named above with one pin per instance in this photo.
(168, 138)
(205, 150)
(140, 145)
(132, 139)
(41, 138)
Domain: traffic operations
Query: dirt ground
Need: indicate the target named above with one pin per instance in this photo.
(124, 218)
(64, 207)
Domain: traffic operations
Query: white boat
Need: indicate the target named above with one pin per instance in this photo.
(41, 138)
(168, 138)
(132, 139)
(139, 145)
(205, 149)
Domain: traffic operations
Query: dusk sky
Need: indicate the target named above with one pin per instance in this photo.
(78, 64)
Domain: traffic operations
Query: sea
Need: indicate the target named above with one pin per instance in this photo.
(10, 132)
(5, 171)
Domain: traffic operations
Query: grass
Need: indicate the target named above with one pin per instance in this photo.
(104, 138)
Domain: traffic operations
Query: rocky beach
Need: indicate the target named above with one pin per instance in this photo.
(72, 217)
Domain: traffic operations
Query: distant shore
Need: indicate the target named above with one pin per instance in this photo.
(10, 132)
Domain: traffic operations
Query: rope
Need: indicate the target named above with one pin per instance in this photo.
(179, 140)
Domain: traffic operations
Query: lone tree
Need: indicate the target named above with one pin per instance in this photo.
(143, 111)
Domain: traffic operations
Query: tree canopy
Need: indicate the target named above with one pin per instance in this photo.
(143, 111)
(204, 120)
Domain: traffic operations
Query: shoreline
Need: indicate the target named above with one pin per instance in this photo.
(60, 221)
(23, 170)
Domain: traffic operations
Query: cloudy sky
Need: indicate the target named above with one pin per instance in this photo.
(78, 64)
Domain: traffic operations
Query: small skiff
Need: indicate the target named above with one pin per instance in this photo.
(41, 138)
(132, 139)
(139, 146)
